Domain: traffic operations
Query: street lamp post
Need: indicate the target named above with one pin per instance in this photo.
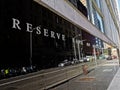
(94, 52)
(79, 51)
(80, 42)
(74, 45)
(30, 48)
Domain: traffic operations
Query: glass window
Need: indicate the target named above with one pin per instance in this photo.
(98, 21)
(98, 3)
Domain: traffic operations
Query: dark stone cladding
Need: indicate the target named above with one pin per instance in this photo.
(46, 52)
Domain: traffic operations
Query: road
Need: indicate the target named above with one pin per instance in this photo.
(98, 79)
(42, 79)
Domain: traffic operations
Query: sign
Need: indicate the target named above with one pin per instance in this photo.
(29, 28)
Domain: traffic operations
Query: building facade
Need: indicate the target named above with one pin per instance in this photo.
(47, 32)
(104, 15)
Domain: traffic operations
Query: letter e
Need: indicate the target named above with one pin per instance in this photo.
(29, 27)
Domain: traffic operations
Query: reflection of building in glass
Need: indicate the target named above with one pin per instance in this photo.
(84, 2)
(80, 6)
(41, 32)
(88, 43)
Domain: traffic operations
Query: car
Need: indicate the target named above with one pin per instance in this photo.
(109, 58)
(61, 64)
(75, 62)
(64, 63)
(114, 57)
(86, 59)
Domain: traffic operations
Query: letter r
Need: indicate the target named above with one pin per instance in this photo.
(16, 23)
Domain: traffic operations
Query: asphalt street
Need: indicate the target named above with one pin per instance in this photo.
(97, 79)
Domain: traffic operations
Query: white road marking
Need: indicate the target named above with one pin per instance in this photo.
(107, 70)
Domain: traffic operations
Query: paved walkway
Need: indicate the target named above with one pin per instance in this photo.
(102, 77)
(115, 83)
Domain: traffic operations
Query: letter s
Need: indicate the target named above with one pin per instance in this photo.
(38, 30)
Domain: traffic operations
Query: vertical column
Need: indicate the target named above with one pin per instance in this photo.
(30, 48)
(73, 39)
(79, 51)
(94, 51)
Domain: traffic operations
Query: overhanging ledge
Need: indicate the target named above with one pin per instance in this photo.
(62, 8)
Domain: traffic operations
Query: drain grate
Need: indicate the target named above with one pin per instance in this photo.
(87, 79)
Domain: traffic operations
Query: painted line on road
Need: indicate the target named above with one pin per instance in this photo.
(107, 70)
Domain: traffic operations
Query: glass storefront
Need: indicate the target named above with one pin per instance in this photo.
(32, 34)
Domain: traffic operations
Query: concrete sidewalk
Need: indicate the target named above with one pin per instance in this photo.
(98, 79)
(115, 83)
